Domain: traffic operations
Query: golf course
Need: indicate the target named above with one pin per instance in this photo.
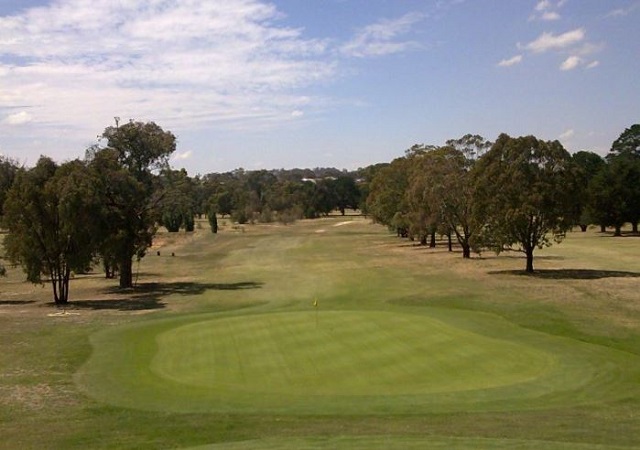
(329, 333)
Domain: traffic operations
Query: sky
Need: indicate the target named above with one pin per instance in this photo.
(268, 84)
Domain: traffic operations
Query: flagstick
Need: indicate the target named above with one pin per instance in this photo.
(315, 306)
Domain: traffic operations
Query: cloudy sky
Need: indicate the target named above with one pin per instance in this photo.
(307, 83)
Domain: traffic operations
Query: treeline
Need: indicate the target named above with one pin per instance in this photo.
(516, 193)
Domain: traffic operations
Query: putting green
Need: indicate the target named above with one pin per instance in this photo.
(343, 353)
(346, 362)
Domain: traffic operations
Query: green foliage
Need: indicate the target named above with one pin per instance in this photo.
(8, 171)
(51, 213)
(525, 188)
(628, 143)
(387, 192)
(131, 201)
(177, 200)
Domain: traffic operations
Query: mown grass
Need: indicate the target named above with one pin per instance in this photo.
(134, 369)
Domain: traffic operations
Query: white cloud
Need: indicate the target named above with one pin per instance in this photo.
(511, 61)
(181, 156)
(181, 63)
(622, 12)
(593, 64)
(549, 41)
(19, 118)
(382, 38)
(570, 63)
(568, 134)
(550, 16)
(547, 10)
(297, 113)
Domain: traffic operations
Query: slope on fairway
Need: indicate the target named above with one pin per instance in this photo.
(346, 362)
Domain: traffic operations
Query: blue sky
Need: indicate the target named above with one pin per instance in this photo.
(307, 83)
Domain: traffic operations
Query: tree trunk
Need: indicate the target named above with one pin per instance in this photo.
(423, 239)
(449, 242)
(529, 253)
(634, 227)
(466, 250)
(618, 231)
(432, 243)
(603, 228)
(126, 273)
(583, 228)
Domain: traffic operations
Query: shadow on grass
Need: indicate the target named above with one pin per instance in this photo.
(148, 296)
(16, 302)
(569, 274)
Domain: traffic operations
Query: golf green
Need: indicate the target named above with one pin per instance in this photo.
(342, 353)
(345, 362)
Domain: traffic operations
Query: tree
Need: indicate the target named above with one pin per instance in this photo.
(212, 215)
(628, 143)
(607, 199)
(178, 200)
(51, 215)
(346, 193)
(387, 200)
(447, 185)
(524, 194)
(587, 165)
(8, 171)
(126, 167)
(472, 146)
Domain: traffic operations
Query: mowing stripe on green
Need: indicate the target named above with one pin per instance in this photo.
(351, 362)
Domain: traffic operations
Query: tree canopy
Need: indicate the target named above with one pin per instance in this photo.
(51, 216)
(525, 191)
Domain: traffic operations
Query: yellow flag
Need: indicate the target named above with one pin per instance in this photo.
(315, 303)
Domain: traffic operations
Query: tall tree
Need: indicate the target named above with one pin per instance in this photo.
(178, 200)
(525, 188)
(587, 164)
(135, 152)
(606, 193)
(449, 188)
(628, 143)
(51, 215)
(387, 200)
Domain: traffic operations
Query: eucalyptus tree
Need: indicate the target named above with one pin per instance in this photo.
(178, 200)
(524, 193)
(628, 143)
(8, 171)
(606, 193)
(445, 184)
(127, 168)
(587, 165)
(387, 202)
(51, 214)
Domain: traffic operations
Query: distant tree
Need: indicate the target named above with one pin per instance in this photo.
(8, 171)
(606, 195)
(587, 164)
(346, 193)
(450, 190)
(387, 202)
(212, 215)
(325, 199)
(472, 146)
(177, 202)
(127, 167)
(51, 214)
(524, 188)
(628, 143)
